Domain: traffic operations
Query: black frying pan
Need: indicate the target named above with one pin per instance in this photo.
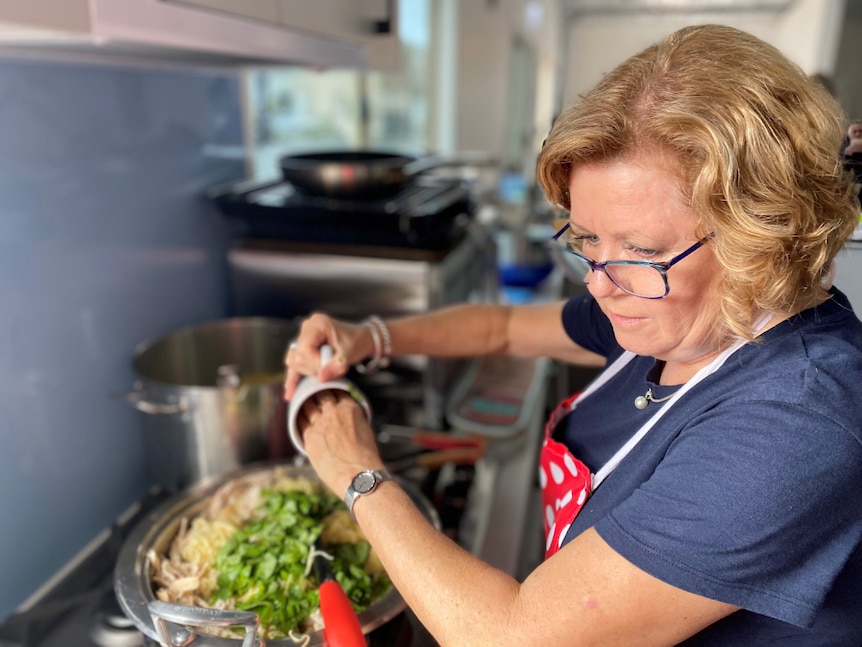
(361, 175)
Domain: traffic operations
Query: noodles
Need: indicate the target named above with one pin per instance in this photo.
(250, 549)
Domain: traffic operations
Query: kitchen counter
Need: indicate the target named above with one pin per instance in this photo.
(505, 530)
(501, 530)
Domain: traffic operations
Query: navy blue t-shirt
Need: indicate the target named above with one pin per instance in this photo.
(749, 489)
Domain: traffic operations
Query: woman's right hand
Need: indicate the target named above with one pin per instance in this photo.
(350, 343)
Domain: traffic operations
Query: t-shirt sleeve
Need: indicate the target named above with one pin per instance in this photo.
(587, 326)
(759, 506)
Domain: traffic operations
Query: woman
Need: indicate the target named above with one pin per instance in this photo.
(854, 139)
(725, 437)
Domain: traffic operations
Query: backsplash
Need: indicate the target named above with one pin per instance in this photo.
(105, 241)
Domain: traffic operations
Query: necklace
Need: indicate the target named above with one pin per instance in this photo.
(642, 401)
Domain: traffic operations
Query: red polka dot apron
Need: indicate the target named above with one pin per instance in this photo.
(565, 481)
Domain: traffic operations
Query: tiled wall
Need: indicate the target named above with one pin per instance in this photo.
(105, 241)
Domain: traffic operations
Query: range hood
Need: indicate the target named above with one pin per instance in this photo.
(165, 30)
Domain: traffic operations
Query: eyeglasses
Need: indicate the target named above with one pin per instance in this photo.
(639, 278)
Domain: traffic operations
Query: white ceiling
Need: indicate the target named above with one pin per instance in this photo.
(580, 7)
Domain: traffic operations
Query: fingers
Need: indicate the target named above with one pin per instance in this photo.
(300, 359)
(317, 405)
(292, 375)
(302, 422)
(303, 355)
(348, 342)
(325, 397)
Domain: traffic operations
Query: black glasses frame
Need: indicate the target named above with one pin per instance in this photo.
(661, 268)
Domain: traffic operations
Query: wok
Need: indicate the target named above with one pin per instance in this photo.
(134, 589)
(364, 174)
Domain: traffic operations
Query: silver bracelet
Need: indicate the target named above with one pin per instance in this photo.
(373, 364)
(387, 339)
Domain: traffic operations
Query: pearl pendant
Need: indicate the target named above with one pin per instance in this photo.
(641, 402)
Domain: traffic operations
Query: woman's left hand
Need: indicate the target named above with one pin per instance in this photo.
(337, 438)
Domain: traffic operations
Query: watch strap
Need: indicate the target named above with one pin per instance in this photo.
(376, 476)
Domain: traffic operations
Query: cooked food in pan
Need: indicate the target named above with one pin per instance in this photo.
(251, 549)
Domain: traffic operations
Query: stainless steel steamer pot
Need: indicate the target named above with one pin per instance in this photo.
(133, 586)
(213, 398)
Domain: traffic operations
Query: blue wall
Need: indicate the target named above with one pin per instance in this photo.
(105, 242)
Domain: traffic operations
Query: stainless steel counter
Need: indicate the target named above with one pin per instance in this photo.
(499, 527)
(503, 525)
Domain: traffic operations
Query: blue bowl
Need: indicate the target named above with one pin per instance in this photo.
(524, 276)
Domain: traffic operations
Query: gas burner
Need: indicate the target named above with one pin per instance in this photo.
(106, 634)
(424, 216)
(111, 627)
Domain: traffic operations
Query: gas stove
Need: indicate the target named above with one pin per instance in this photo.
(485, 507)
(78, 607)
(429, 214)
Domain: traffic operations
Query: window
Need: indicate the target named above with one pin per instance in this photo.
(299, 110)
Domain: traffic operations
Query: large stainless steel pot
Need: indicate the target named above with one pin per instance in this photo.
(134, 589)
(213, 398)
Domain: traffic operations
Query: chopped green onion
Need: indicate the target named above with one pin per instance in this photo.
(262, 566)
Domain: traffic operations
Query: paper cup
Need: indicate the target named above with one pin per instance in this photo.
(308, 387)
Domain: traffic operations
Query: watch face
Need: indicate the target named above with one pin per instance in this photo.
(364, 482)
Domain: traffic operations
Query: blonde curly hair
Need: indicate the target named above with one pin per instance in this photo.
(755, 144)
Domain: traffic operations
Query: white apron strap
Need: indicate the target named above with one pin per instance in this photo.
(623, 451)
(605, 376)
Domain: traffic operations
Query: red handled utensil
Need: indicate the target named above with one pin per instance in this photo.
(431, 439)
(436, 459)
(445, 447)
(341, 627)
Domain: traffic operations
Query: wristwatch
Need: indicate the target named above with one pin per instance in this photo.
(364, 483)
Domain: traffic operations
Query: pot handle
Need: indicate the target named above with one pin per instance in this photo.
(138, 399)
(466, 158)
(164, 612)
